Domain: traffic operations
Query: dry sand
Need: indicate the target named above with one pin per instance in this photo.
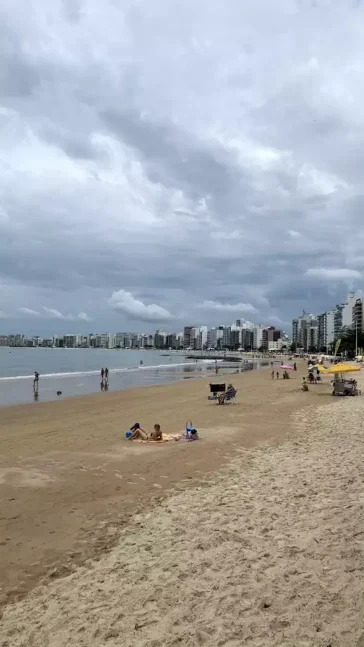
(266, 549)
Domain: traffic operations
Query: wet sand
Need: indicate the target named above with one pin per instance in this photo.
(221, 542)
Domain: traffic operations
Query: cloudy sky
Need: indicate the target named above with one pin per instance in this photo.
(167, 162)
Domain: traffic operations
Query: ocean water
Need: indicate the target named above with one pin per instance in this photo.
(77, 371)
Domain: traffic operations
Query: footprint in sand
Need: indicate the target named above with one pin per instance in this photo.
(24, 478)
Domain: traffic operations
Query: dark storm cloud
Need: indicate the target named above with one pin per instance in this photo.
(171, 157)
(156, 158)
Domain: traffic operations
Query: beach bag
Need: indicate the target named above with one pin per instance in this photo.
(128, 434)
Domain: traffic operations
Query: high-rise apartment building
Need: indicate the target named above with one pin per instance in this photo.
(171, 341)
(247, 339)
(347, 311)
(226, 337)
(211, 338)
(305, 331)
(258, 337)
(187, 336)
(358, 316)
(160, 339)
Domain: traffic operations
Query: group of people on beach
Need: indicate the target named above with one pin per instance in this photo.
(36, 382)
(104, 379)
(136, 432)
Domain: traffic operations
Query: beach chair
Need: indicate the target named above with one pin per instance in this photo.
(215, 389)
(230, 396)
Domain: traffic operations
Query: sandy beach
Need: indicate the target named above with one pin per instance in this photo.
(253, 536)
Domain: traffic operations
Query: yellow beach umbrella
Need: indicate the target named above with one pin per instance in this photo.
(342, 368)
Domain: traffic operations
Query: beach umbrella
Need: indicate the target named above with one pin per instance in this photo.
(287, 367)
(343, 368)
(320, 368)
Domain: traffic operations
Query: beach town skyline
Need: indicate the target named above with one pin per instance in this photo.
(309, 331)
(189, 173)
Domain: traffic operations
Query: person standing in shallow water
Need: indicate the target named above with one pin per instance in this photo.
(106, 373)
(36, 381)
(102, 375)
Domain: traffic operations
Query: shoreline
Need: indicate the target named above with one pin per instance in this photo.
(17, 390)
(70, 482)
(84, 397)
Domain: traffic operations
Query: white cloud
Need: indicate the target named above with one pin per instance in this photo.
(134, 309)
(29, 312)
(52, 313)
(82, 316)
(333, 274)
(229, 307)
(294, 234)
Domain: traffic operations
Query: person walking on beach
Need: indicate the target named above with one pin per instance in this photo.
(295, 366)
(277, 375)
(106, 373)
(273, 375)
(102, 375)
(36, 381)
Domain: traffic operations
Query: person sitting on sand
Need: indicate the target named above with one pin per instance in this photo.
(189, 437)
(138, 433)
(157, 433)
(304, 385)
